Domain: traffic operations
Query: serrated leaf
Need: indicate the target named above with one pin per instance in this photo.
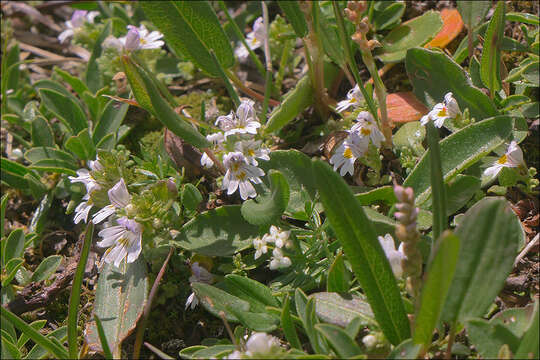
(415, 32)
(433, 74)
(219, 232)
(489, 234)
(490, 63)
(341, 309)
(266, 209)
(120, 299)
(459, 151)
(192, 28)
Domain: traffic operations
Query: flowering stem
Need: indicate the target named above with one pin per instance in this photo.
(451, 338)
(248, 91)
(146, 311)
(75, 296)
(268, 79)
(437, 182)
(240, 35)
(350, 59)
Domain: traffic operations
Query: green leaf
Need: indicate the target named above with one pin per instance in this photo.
(488, 338)
(296, 168)
(490, 63)
(531, 73)
(38, 352)
(474, 71)
(3, 205)
(390, 16)
(410, 135)
(295, 16)
(344, 346)
(383, 194)
(460, 191)
(517, 320)
(473, 12)
(338, 276)
(433, 74)
(489, 235)
(305, 309)
(288, 326)
(48, 153)
(415, 32)
(214, 352)
(13, 174)
(192, 28)
(357, 236)
(267, 209)
(67, 110)
(342, 309)
(42, 134)
(256, 321)
(103, 339)
(38, 324)
(76, 84)
(92, 76)
(529, 346)
(218, 232)
(523, 18)
(46, 268)
(327, 31)
(294, 102)
(14, 246)
(257, 294)
(13, 75)
(150, 98)
(406, 350)
(216, 301)
(12, 267)
(110, 120)
(82, 145)
(53, 165)
(120, 299)
(459, 151)
(435, 289)
(191, 197)
(55, 349)
(9, 350)
(39, 219)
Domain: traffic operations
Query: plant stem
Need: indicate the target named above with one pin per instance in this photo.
(75, 296)
(240, 35)
(236, 81)
(228, 86)
(438, 192)
(268, 77)
(287, 49)
(451, 338)
(148, 306)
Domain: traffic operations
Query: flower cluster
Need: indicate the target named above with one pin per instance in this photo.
(448, 109)
(254, 39)
(137, 38)
(362, 133)
(78, 19)
(259, 345)
(279, 238)
(354, 99)
(239, 150)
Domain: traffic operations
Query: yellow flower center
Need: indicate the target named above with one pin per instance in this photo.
(365, 131)
(503, 159)
(142, 41)
(242, 175)
(251, 152)
(348, 153)
(443, 112)
(235, 167)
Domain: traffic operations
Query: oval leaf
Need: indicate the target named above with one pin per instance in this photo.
(342, 309)
(46, 268)
(216, 301)
(295, 16)
(344, 346)
(67, 110)
(490, 63)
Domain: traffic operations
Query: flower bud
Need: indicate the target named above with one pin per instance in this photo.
(130, 210)
(369, 341)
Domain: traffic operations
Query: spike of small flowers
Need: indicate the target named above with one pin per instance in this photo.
(240, 175)
(354, 98)
(513, 157)
(448, 109)
(124, 241)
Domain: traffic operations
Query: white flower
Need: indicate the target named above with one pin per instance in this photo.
(277, 236)
(512, 158)
(262, 344)
(119, 198)
(240, 175)
(354, 97)
(199, 274)
(394, 256)
(346, 154)
(82, 210)
(370, 341)
(278, 260)
(243, 122)
(83, 176)
(124, 241)
(448, 109)
(78, 18)
(252, 149)
(254, 39)
(260, 246)
(137, 38)
(217, 140)
(367, 127)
